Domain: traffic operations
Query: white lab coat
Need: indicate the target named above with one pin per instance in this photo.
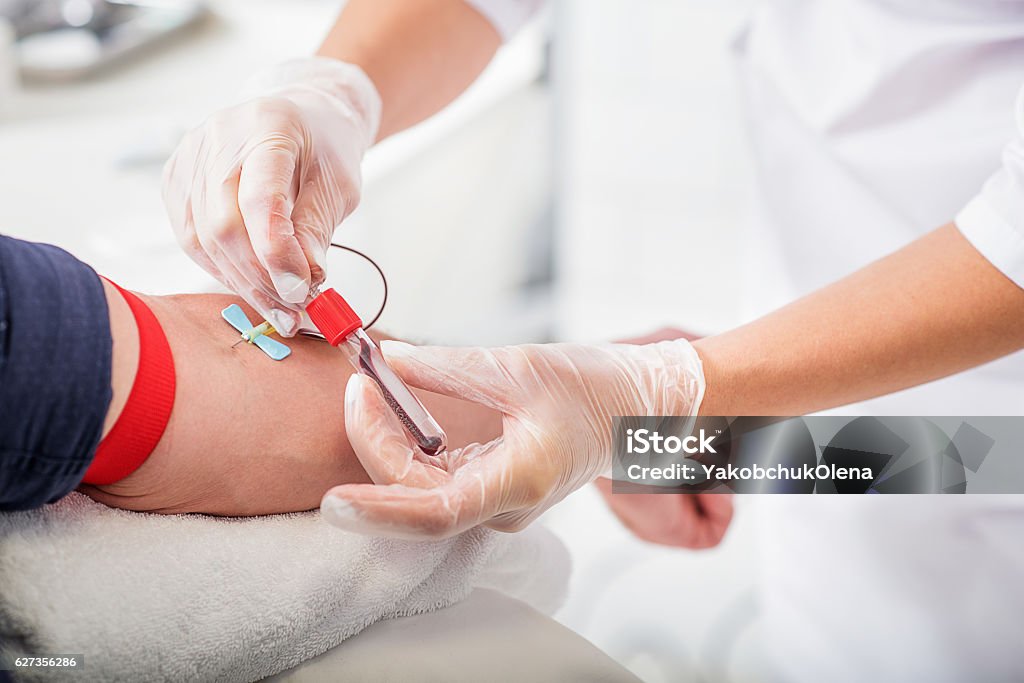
(873, 122)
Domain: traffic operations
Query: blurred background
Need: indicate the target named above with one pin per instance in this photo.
(588, 187)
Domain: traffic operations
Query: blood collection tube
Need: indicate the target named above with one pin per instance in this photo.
(343, 328)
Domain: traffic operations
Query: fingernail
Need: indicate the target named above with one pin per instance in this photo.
(336, 511)
(396, 349)
(282, 322)
(291, 287)
(317, 256)
(352, 392)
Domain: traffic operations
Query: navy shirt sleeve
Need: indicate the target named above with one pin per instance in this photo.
(55, 364)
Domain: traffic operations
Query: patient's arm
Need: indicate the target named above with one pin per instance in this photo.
(247, 435)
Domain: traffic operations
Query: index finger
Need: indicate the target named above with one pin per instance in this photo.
(265, 192)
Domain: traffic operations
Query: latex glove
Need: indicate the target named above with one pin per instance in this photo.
(691, 520)
(254, 193)
(557, 403)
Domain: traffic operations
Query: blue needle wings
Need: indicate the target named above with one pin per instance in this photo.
(237, 318)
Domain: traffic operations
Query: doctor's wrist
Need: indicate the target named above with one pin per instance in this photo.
(745, 377)
(721, 396)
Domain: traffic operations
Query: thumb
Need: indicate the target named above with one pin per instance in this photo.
(379, 440)
(472, 495)
(472, 374)
(265, 200)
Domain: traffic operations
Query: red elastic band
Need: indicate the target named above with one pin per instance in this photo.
(144, 418)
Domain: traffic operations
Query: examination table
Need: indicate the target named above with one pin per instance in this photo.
(487, 637)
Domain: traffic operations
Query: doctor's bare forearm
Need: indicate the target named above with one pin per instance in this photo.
(420, 54)
(932, 309)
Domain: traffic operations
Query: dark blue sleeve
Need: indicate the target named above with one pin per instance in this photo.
(55, 362)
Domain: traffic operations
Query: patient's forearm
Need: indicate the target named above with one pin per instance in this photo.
(248, 435)
(934, 308)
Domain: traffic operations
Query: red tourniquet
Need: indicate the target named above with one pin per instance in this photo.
(145, 415)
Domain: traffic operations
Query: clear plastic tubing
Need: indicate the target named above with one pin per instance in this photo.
(343, 328)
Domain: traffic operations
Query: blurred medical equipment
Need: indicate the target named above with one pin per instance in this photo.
(255, 334)
(298, 140)
(342, 327)
(62, 40)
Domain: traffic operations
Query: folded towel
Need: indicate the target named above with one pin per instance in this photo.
(189, 597)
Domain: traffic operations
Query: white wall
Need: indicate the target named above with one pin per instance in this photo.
(653, 180)
(652, 169)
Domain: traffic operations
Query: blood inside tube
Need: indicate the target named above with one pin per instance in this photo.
(400, 399)
(341, 327)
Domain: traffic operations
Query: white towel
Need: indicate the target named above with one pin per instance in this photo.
(190, 597)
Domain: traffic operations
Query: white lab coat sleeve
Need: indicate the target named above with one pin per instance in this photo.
(507, 16)
(993, 221)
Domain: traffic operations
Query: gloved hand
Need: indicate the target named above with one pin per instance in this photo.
(255, 193)
(692, 520)
(557, 403)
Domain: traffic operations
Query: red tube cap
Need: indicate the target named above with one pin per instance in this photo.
(333, 316)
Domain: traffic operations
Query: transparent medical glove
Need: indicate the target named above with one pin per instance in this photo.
(557, 403)
(254, 193)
